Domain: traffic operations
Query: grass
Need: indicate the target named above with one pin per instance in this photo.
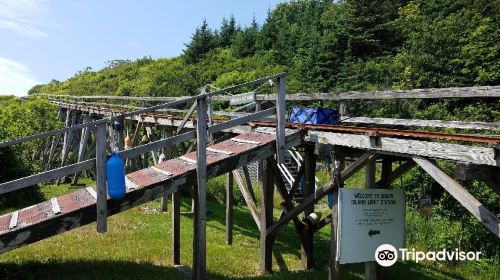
(138, 246)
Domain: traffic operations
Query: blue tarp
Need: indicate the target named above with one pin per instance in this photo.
(313, 115)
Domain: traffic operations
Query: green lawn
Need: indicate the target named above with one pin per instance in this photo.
(138, 246)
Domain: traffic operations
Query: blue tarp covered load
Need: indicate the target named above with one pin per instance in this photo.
(314, 115)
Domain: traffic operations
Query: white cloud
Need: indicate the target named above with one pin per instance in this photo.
(15, 78)
(25, 17)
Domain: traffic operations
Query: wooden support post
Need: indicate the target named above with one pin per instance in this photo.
(229, 208)
(372, 270)
(333, 265)
(266, 219)
(199, 241)
(83, 145)
(176, 228)
(70, 114)
(167, 151)
(309, 188)
(102, 193)
(386, 170)
(280, 120)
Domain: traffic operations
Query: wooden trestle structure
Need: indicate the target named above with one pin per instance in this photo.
(223, 146)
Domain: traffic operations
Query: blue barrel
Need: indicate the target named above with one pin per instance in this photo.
(115, 173)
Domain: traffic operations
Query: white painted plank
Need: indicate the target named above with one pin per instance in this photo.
(55, 206)
(13, 219)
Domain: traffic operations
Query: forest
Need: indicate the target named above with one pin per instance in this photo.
(324, 46)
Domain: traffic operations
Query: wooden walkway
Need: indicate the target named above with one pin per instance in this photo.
(76, 209)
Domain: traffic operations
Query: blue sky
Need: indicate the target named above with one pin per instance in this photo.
(41, 40)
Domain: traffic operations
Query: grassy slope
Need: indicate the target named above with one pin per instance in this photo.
(137, 246)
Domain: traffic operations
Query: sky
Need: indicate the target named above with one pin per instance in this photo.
(41, 40)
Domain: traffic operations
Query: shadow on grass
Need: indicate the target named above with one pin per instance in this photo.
(124, 270)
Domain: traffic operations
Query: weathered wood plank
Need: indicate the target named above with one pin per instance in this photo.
(455, 152)
(102, 190)
(199, 240)
(423, 123)
(470, 203)
(266, 219)
(229, 208)
(280, 120)
(372, 270)
(45, 176)
(176, 228)
(248, 198)
(306, 249)
(432, 93)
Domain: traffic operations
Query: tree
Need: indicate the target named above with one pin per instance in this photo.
(245, 43)
(227, 32)
(201, 43)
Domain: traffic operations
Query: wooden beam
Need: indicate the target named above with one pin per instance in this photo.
(229, 208)
(422, 123)
(102, 190)
(319, 193)
(372, 270)
(186, 117)
(409, 148)
(333, 263)
(306, 249)
(176, 227)
(247, 197)
(266, 219)
(430, 93)
(200, 214)
(280, 120)
(84, 139)
(468, 201)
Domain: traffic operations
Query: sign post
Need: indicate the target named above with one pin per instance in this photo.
(369, 218)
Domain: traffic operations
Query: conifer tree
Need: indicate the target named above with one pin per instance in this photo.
(201, 43)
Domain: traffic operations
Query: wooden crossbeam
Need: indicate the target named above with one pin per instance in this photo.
(426, 93)
(467, 200)
(247, 197)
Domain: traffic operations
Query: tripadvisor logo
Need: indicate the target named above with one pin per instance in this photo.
(387, 255)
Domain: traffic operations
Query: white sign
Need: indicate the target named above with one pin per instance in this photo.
(244, 98)
(369, 218)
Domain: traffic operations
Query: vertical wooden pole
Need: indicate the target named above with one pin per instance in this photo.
(229, 208)
(280, 122)
(258, 107)
(386, 169)
(309, 188)
(102, 192)
(199, 241)
(167, 151)
(70, 114)
(266, 219)
(176, 227)
(83, 145)
(333, 265)
(372, 270)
